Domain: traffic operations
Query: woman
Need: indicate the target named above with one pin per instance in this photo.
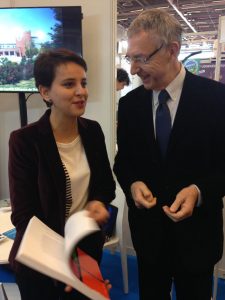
(57, 166)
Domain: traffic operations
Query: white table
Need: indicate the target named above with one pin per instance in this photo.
(6, 244)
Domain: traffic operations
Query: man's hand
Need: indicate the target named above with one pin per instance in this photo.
(97, 211)
(183, 205)
(142, 196)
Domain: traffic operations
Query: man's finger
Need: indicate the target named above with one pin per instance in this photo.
(175, 216)
(176, 204)
(145, 202)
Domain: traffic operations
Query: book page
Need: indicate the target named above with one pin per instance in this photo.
(77, 227)
(43, 250)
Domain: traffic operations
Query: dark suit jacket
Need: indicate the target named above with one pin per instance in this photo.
(37, 178)
(196, 155)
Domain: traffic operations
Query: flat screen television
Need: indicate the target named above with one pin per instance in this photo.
(24, 32)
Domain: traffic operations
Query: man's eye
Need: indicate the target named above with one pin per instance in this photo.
(139, 59)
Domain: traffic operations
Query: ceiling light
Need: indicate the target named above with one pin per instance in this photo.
(196, 12)
(188, 6)
(181, 15)
(137, 10)
(127, 4)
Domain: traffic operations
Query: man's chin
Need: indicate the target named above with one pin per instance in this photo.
(147, 82)
(147, 86)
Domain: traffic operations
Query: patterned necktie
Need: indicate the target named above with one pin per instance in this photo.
(163, 122)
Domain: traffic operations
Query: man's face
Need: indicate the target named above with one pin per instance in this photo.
(153, 71)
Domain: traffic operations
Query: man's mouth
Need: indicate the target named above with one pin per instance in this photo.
(145, 78)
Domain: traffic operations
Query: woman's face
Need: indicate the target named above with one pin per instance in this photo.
(120, 85)
(68, 92)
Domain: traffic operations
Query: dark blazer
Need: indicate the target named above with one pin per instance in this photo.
(196, 155)
(37, 178)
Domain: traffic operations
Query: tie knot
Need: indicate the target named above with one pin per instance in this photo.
(163, 96)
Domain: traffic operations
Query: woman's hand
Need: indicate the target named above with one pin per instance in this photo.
(108, 285)
(68, 289)
(97, 211)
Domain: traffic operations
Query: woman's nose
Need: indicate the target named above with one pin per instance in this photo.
(80, 89)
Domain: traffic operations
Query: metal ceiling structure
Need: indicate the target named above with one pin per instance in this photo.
(199, 18)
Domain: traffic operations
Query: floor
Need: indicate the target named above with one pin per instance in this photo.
(111, 269)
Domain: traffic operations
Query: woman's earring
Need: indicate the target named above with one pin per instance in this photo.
(48, 102)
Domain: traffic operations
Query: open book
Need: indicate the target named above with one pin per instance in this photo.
(44, 250)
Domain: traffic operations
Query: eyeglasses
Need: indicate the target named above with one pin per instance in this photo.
(141, 59)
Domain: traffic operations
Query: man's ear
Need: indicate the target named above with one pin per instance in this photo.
(44, 92)
(175, 48)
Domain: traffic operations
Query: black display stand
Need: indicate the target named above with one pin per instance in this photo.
(23, 109)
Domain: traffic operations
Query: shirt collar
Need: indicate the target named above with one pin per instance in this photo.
(174, 88)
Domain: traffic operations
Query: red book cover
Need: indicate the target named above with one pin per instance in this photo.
(90, 273)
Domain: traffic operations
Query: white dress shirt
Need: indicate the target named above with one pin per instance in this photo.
(174, 89)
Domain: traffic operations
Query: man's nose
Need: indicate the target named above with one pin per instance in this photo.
(134, 68)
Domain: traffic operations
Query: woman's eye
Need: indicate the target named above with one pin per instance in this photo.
(84, 84)
(68, 84)
(71, 84)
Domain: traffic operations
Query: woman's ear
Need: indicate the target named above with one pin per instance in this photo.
(44, 92)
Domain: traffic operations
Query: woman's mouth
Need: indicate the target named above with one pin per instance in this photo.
(80, 104)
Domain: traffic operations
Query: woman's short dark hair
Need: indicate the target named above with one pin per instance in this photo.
(46, 63)
(122, 76)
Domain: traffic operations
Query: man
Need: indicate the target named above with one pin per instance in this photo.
(122, 79)
(171, 163)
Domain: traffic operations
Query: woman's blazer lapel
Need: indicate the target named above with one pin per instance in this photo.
(50, 152)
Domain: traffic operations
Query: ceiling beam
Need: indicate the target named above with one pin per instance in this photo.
(181, 15)
(201, 33)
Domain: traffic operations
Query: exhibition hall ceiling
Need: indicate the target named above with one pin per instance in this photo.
(199, 16)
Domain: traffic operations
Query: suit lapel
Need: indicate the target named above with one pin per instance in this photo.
(184, 112)
(144, 108)
(49, 149)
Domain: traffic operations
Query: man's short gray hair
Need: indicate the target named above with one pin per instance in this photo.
(159, 21)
